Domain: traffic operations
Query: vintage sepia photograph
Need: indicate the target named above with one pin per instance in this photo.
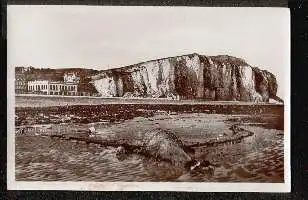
(148, 98)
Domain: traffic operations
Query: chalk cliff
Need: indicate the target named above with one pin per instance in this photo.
(193, 76)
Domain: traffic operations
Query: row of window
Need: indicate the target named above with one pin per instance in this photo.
(52, 87)
(37, 87)
(20, 83)
(64, 93)
(62, 87)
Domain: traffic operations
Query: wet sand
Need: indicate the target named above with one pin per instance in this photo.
(258, 158)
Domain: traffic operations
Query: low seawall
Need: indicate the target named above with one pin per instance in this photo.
(45, 101)
(203, 108)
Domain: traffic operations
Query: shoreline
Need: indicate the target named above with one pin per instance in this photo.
(56, 100)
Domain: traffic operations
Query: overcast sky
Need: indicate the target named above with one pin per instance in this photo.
(107, 37)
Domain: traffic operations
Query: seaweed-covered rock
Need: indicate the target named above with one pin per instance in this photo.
(164, 145)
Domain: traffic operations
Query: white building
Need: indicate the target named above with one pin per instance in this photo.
(41, 87)
(68, 87)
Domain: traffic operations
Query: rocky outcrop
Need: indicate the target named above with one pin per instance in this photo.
(193, 76)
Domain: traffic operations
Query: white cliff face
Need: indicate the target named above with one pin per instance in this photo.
(192, 63)
(138, 80)
(153, 78)
(102, 86)
(112, 87)
(195, 66)
(158, 73)
(120, 87)
(108, 87)
(248, 88)
(190, 77)
(164, 82)
(247, 77)
(152, 69)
